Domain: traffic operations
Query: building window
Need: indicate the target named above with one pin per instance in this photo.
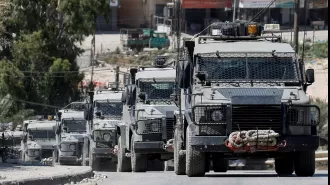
(160, 10)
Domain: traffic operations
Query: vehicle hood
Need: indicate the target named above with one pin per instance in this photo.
(68, 137)
(156, 111)
(33, 145)
(46, 143)
(105, 124)
(250, 95)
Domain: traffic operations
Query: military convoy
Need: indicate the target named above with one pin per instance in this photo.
(244, 96)
(222, 100)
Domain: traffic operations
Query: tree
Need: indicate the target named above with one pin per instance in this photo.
(41, 63)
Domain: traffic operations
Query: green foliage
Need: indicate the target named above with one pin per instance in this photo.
(323, 127)
(40, 64)
(316, 50)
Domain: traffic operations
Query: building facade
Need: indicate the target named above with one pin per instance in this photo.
(140, 13)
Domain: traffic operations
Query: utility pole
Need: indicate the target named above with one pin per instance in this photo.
(296, 25)
(234, 11)
(92, 62)
(117, 78)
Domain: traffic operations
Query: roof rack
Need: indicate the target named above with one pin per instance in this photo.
(227, 38)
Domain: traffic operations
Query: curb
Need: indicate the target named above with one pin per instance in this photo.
(55, 180)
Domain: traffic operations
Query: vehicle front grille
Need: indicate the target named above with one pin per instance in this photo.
(253, 117)
(149, 126)
(169, 128)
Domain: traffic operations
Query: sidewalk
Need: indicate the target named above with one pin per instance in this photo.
(11, 173)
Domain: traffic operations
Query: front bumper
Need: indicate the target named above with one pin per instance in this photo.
(217, 143)
(106, 153)
(150, 147)
(69, 159)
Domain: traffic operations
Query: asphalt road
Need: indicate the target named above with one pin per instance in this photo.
(229, 178)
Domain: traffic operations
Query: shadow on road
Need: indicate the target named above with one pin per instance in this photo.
(250, 174)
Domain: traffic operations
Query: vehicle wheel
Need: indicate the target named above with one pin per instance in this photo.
(219, 164)
(168, 167)
(139, 161)
(156, 165)
(195, 161)
(179, 160)
(94, 163)
(304, 163)
(124, 163)
(284, 166)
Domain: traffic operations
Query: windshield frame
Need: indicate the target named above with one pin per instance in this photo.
(109, 101)
(79, 131)
(169, 81)
(227, 56)
(43, 130)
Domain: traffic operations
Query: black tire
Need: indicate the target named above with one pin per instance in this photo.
(139, 161)
(167, 167)
(179, 160)
(124, 163)
(284, 166)
(94, 163)
(304, 163)
(219, 164)
(195, 161)
(156, 165)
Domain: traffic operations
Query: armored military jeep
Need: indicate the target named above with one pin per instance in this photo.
(71, 130)
(38, 139)
(107, 110)
(244, 97)
(148, 115)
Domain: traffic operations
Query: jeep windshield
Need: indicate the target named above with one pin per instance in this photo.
(109, 109)
(253, 68)
(42, 134)
(157, 90)
(74, 125)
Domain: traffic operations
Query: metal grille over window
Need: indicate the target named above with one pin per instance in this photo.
(303, 116)
(109, 109)
(157, 90)
(150, 126)
(249, 67)
(210, 114)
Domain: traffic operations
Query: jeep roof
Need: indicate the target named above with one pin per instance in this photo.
(108, 95)
(149, 73)
(242, 47)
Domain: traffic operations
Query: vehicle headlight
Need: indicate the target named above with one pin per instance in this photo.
(217, 115)
(36, 152)
(72, 147)
(155, 127)
(107, 136)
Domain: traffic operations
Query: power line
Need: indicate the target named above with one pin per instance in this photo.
(33, 103)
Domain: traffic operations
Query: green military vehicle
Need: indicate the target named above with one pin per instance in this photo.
(138, 39)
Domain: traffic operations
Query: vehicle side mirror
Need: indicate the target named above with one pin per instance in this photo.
(184, 74)
(142, 96)
(310, 78)
(88, 113)
(58, 116)
(30, 137)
